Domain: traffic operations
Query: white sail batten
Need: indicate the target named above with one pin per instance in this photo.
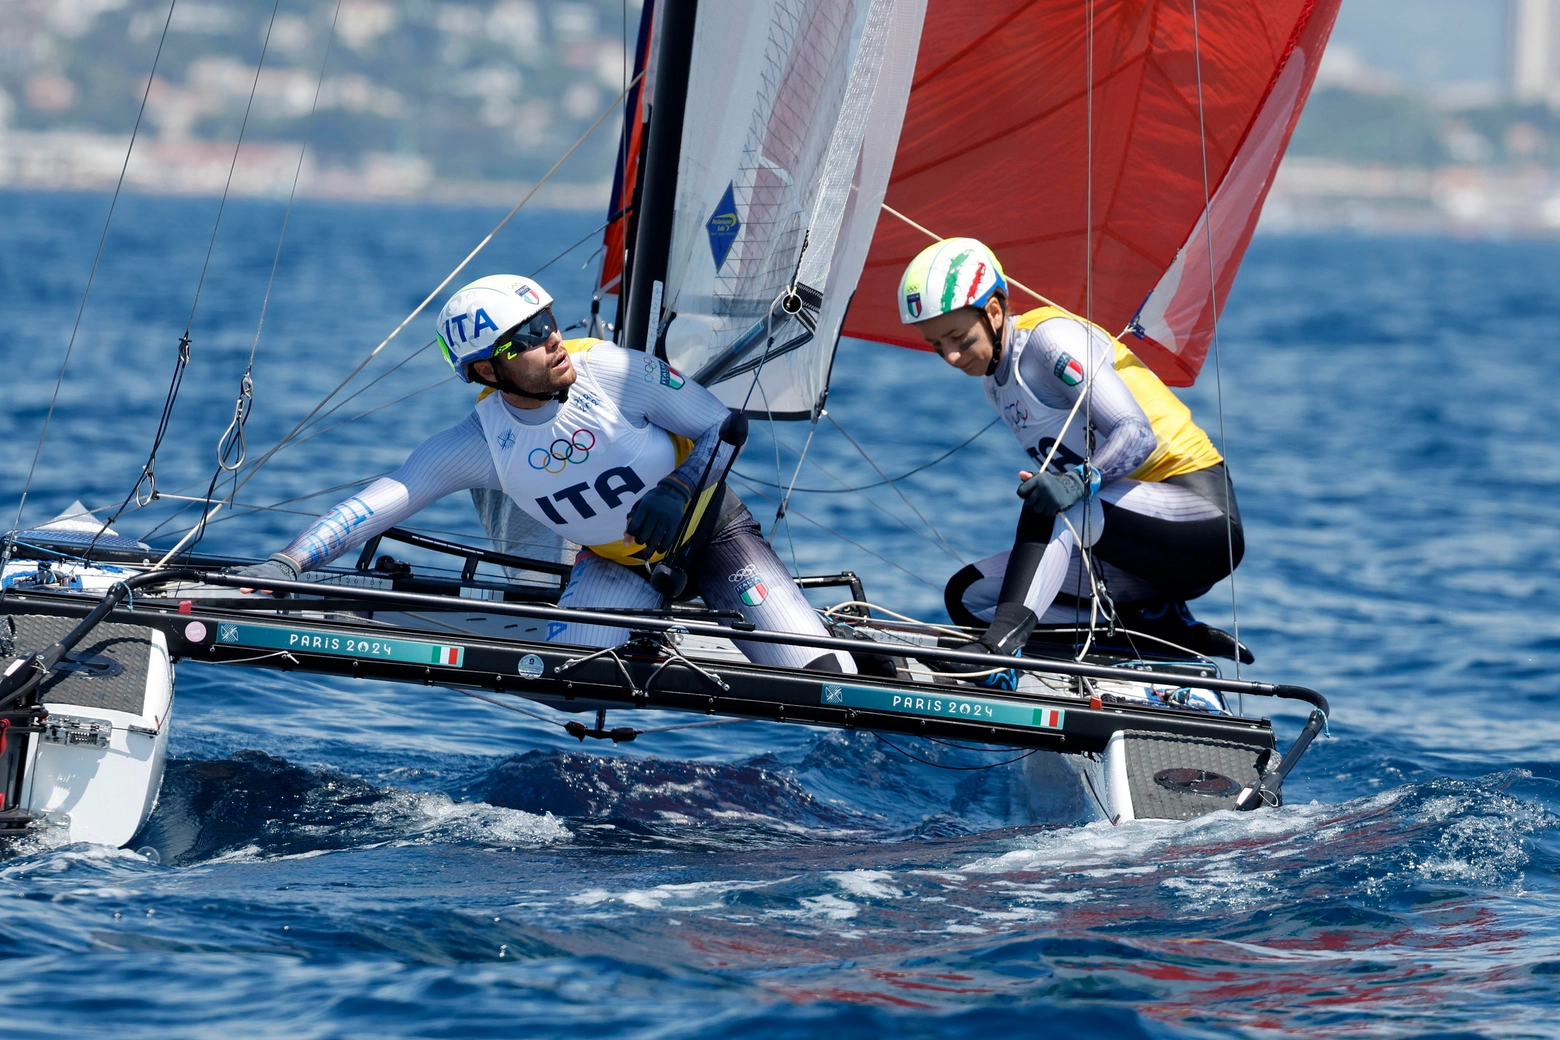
(792, 124)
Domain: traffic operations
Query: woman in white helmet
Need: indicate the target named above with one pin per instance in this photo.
(608, 447)
(1133, 476)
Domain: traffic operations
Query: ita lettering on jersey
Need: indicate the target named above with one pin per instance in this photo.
(582, 472)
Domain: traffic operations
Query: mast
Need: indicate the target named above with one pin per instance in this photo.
(658, 191)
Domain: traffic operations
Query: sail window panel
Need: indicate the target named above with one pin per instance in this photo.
(765, 189)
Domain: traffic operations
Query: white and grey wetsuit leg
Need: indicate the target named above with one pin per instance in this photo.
(738, 568)
(737, 571)
(1037, 570)
(594, 583)
(1156, 540)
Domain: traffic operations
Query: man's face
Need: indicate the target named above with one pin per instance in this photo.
(542, 369)
(961, 338)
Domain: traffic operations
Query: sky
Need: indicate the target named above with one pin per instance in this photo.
(1428, 44)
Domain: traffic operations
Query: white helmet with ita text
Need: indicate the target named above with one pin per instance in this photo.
(948, 275)
(473, 320)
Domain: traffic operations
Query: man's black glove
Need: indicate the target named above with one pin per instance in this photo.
(653, 520)
(1052, 493)
(277, 568)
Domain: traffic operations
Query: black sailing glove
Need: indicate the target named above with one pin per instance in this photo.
(653, 520)
(278, 567)
(1052, 493)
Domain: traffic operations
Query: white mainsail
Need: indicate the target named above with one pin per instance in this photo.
(793, 117)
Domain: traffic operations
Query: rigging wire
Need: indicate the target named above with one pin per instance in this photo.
(586, 238)
(849, 541)
(785, 499)
(254, 507)
(877, 484)
(317, 431)
(314, 431)
(903, 497)
(148, 475)
(232, 446)
(97, 257)
(826, 471)
(1213, 300)
(480, 246)
(1085, 548)
(354, 395)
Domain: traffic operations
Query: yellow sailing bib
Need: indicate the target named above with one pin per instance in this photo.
(1182, 445)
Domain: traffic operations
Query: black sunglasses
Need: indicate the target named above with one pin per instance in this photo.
(533, 332)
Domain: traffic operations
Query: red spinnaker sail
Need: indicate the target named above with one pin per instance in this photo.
(625, 178)
(995, 146)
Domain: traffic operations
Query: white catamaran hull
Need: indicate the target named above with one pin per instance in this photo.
(93, 772)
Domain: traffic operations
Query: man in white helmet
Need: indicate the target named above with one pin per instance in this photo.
(1133, 476)
(606, 446)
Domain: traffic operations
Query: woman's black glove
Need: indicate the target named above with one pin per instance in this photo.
(654, 519)
(1052, 493)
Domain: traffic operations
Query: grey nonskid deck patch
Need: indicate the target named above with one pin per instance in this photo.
(1149, 754)
(107, 670)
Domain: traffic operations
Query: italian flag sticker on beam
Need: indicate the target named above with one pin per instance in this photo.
(1049, 718)
(453, 656)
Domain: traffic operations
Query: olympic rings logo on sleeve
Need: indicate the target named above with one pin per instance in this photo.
(574, 448)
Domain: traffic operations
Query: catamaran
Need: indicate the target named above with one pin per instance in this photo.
(780, 162)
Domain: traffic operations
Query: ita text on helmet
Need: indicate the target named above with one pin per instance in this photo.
(486, 314)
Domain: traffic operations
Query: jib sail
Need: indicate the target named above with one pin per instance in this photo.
(788, 139)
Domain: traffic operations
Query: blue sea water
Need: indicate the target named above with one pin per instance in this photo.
(340, 858)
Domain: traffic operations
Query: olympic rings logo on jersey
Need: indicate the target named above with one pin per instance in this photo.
(750, 571)
(555, 459)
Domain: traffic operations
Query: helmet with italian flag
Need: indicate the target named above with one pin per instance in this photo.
(481, 312)
(948, 275)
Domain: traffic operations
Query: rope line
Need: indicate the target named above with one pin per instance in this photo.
(1218, 375)
(232, 445)
(480, 246)
(849, 541)
(148, 475)
(880, 483)
(86, 293)
(902, 496)
(826, 471)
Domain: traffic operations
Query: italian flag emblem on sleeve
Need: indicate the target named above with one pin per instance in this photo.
(452, 656)
(1068, 370)
(754, 594)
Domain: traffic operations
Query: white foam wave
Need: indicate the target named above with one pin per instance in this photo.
(437, 817)
(681, 897)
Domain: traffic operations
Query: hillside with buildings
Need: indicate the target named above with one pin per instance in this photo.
(1427, 114)
(456, 100)
(1430, 115)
